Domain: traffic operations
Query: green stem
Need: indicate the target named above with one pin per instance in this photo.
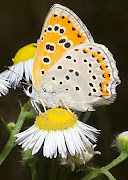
(33, 172)
(11, 141)
(116, 161)
(53, 169)
(62, 175)
(109, 175)
(105, 169)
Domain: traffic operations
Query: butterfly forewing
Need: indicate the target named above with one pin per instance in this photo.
(84, 77)
(62, 30)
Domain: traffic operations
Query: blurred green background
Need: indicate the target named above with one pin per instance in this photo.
(21, 23)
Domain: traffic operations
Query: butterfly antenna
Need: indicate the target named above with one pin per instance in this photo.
(7, 68)
(24, 83)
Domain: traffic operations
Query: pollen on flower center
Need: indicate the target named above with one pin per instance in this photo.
(58, 119)
(25, 53)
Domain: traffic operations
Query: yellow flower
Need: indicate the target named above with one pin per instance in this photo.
(23, 63)
(25, 53)
(60, 133)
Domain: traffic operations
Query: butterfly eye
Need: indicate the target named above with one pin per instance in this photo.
(30, 89)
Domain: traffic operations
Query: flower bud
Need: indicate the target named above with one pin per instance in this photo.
(28, 159)
(122, 141)
(11, 126)
(79, 160)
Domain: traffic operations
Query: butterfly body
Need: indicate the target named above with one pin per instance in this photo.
(49, 98)
(69, 69)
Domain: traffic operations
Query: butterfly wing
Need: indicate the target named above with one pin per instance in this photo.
(62, 30)
(84, 77)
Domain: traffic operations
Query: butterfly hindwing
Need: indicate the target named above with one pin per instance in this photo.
(62, 30)
(84, 77)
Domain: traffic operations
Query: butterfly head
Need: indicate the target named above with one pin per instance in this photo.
(48, 96)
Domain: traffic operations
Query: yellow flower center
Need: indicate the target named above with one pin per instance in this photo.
(25, 53)
(58, 119)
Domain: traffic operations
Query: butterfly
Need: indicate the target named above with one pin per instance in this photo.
(70, 70)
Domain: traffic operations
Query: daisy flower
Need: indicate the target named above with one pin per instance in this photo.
(4, 85)
(60, 133)
(22, 65)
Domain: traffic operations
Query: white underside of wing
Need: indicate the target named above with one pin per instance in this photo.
(72, 78)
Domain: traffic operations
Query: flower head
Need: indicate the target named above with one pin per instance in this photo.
(79, 159)
(22, 65)
(4, 85)
(122, 141)
(60, 132)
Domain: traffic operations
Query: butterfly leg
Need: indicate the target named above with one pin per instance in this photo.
(34, 105)
(44, 108)
(67, 108)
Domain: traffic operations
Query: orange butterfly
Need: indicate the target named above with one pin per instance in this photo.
(69, 69)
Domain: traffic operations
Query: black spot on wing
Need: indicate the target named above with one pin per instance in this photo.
(67, 77)
(42, 71)
(61, 31)
(77, 73)
(77, 88)
(67, 45)
(68, 57)
(46, 60)
(94, 77)
(59, 67)
(70, 70)
(73, 28)
(78, 35)
(56, 28)
(62, 41)
(53, 78)
(49, 47)
(90, 84)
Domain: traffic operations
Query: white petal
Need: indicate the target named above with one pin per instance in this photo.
(4, 85)
(75, 141)
(78, 139)
(85, 139)
(28, 131)
(27, 142)
(34, 136)
(46, 152)
(39, 143)
(61, 144)
(51, 150)
(69, 143)
(54, 144)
